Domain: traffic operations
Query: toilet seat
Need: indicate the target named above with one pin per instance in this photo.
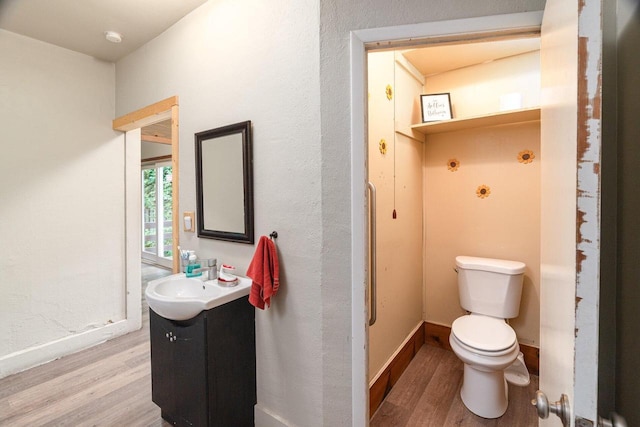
(484, 335)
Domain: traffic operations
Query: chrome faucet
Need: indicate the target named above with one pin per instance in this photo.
(209, 267)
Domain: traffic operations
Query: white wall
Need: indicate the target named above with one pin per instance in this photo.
(153, 149)
(228, 62)
(62, 203)
(478, 89)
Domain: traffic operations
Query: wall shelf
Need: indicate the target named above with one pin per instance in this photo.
(494, 119)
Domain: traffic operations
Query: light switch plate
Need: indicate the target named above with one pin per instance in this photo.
(188, 221)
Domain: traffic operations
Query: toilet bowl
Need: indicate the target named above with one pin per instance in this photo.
(484, 390)
(490, 290)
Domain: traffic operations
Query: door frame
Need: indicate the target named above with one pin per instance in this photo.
(132, 124)
(166, 109)
(360, 40)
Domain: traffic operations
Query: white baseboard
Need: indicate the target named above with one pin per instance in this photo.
(266, 418)
(34, 356)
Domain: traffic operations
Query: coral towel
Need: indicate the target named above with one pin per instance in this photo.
(264, 271)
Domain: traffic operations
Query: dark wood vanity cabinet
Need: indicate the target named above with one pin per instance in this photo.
(203, 369)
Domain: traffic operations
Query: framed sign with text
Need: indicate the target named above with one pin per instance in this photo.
(435, 107)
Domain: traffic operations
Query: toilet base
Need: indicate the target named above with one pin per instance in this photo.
(484, 393)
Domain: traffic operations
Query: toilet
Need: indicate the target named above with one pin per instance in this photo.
(490, 290)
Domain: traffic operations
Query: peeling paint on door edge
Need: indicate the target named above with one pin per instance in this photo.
(588, 209)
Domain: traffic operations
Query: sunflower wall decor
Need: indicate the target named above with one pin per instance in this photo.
(383, 146)
(453, 164)
(483, 191)
(526, 156)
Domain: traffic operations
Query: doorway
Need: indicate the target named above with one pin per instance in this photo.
(157, 214)
(157, 194)
(430, 177)
(132, 124)
(569, 265)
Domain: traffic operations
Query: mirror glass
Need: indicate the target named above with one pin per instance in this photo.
(224, 183)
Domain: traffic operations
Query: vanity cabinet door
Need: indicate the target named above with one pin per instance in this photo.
(231, 364)
(203, 369)
(178, 369)
(190, 367)
(162, 366)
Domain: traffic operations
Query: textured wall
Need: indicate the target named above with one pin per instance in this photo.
(61, 215)
(229, 62)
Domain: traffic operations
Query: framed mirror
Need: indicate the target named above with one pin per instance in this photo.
(224, 183)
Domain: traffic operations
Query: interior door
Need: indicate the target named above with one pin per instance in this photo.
(571, 50)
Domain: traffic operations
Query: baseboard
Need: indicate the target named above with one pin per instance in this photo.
(531, 358)
(438, 336)
(394, 369)
(34, 356)
(265, 418)
(434, 335)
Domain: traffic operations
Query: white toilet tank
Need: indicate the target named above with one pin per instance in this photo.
(488, 286)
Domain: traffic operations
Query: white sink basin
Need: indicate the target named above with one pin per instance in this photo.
(180, 298)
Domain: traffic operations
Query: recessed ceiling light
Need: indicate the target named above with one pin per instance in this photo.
(113, 36)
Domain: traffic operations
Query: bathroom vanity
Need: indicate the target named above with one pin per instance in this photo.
(203, 369)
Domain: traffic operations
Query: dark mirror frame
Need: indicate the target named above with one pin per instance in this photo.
(243, 128)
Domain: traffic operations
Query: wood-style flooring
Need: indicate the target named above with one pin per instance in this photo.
(110, 385)
(105, 385)
(428, 394)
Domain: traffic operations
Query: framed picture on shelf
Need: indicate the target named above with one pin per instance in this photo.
(435, 107)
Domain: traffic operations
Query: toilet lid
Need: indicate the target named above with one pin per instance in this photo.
(483, 332)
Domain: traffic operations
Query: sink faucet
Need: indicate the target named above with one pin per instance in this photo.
(207, 266)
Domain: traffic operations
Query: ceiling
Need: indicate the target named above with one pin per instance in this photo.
(79, 25)
(436, 59)
(157, 132)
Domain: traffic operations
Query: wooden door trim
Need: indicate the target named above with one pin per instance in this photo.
(150, 114)
(161, 110)
(175, 178)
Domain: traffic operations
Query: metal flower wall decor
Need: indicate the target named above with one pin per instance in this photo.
(526, 156)
(483, 191)
(453, 164)
(382, 145)
(389, 92)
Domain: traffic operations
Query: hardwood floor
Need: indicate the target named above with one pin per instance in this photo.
(110, 385)
(105, 385)
(428, 394)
